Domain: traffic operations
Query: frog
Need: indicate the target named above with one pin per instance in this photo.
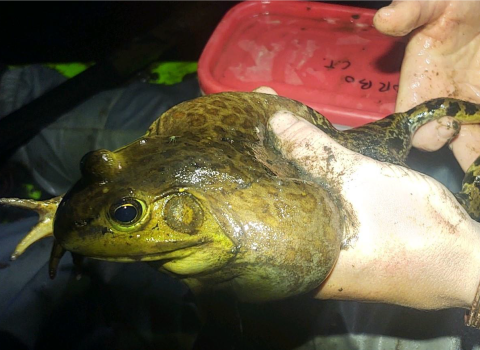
(206, 197)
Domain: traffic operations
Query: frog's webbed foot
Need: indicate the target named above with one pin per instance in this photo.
(44, 228)
(469, 196)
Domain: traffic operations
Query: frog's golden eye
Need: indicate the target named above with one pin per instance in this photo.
(183, 213)
(127, 211)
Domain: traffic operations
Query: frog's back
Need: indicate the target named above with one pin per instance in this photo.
(230, 115)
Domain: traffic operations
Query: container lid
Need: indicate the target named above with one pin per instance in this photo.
(329, 57)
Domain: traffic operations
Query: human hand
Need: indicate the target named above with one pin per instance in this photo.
(442, 59)
(415, 246)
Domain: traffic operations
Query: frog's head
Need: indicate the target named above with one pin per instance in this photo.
(202, 209)
(144, 202)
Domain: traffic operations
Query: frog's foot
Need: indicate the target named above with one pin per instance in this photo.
(44, 228)
(469, 196)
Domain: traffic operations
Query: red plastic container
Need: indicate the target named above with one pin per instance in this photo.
(329, 57)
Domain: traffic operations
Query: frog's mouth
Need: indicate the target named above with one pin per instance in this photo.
(121, 250)
(162, 258)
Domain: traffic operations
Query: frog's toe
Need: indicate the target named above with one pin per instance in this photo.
(55, 257)
(41, 230)
(44, 228)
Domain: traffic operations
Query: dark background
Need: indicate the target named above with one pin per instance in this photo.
(35, 32)
(49, 32)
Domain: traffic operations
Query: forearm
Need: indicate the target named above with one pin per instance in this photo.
(442, 275)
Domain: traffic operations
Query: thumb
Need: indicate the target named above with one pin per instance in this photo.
(401, 17)
(311, 149)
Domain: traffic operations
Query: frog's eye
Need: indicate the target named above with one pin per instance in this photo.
(183, 213)
(127, 211)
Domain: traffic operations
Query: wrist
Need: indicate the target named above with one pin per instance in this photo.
(455, 272)
(471, 278)
(472, 296)
(456, 268)
(446, 275)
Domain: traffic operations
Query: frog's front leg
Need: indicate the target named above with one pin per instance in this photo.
(44, 227)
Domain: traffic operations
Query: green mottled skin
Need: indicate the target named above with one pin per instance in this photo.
(221, 208)
(470, 193)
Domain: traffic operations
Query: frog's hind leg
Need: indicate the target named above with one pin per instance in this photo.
(469, 196)
(44, 228)
(390, 139)
(462, 112)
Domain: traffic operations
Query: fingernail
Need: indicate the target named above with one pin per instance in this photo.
(282, 121)
(265, 90)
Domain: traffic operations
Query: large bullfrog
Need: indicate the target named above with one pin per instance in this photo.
(205, 196)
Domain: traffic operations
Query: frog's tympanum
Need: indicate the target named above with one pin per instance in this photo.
(205, 197)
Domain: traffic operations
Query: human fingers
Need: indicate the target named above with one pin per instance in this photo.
(434, 135)
(466, 147)
(401, 17)
(265, 90)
